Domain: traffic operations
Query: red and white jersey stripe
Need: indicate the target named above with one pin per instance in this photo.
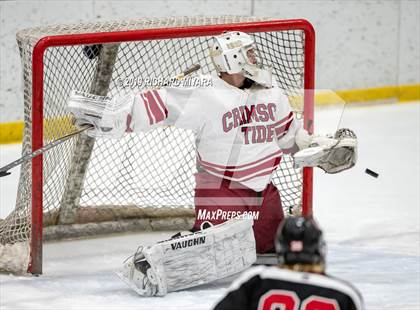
(241, 134)
(155, 108)
(242, 173)
(283, 125)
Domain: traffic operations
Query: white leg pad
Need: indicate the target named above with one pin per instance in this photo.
(194, 259)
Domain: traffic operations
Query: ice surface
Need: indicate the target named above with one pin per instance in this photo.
(371, 226)
(8, 184)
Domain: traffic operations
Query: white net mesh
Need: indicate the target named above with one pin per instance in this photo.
(143, 175)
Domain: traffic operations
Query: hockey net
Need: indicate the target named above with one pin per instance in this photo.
(144, 181)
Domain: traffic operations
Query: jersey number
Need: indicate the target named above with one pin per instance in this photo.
(288, 300)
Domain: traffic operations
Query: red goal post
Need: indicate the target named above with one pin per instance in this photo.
(174, 31)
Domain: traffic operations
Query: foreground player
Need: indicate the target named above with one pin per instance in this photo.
(300, 284)
(243, 123)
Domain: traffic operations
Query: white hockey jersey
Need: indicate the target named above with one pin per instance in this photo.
(241, 134)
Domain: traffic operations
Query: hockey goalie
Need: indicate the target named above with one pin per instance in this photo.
(243, 123)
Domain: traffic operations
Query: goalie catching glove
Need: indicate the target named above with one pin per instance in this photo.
(191, 260)
(331, 154)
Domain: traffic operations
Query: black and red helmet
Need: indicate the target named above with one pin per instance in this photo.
(300, 241)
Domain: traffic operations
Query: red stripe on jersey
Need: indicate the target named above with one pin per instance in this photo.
(270, 164)
(282, 130)
(269, 172)
(154, 107)
(286, 118)
(277, 153)
(128, 123)
(160, 102)
(146, 106)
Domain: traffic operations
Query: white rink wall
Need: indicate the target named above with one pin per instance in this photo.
(360, 44)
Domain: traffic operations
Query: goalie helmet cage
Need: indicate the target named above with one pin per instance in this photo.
(143, 181)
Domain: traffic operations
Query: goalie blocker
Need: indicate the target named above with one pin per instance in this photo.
(194, 259)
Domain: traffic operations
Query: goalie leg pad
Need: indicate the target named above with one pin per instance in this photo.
(191, 260)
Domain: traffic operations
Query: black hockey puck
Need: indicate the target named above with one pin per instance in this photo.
(371, 173)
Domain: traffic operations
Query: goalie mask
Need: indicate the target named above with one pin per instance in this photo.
(234, 52)
(300, 241)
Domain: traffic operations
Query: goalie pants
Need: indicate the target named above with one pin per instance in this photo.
(217, 200)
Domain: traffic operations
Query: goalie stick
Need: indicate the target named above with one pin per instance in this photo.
(4, 171)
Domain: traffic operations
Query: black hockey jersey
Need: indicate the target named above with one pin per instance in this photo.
(272, 288)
